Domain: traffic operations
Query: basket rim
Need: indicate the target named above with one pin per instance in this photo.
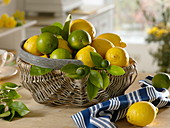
(44, 62)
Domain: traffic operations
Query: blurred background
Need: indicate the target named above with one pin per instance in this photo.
(122, 17)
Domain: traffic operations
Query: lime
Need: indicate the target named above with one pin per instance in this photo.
(60, 53)
(80, 71)
(105, 63)
(46, 43)
(161, 80)
(79, 39)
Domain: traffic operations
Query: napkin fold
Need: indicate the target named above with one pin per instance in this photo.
(102, 115)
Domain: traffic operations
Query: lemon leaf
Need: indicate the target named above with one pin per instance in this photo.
(69, 68)
(115, 70)
(66, 28)
(106, 79)
(36, 70)
(92, 90)
(96, 58)
(52, 29)
(58, 24)
(96, 78)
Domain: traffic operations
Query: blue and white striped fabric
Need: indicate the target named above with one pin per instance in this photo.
(102, 115)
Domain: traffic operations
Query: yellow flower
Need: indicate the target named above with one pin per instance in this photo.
(1, 23)
(4, 17)
(19, 15)
(10, 23)
(153, 30)
(6, 1)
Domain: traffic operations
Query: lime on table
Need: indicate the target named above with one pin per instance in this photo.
(161, 80)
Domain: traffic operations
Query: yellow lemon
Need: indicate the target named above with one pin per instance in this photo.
(45, 56)
(117, 56)
(102, 46)
(4, 17)
(141, 113)
(64, 44)
(31, 46)
(81, 24)
(114, 38)
(10, 23)
(84, 55)
(6, 1)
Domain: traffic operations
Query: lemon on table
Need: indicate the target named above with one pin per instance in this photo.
(141, 113)
(31, 46)
(117, 56)
(84, 55)
(60, 53)
(79, 39)
(102, 46)
(46, 43)
(114, 38)
(161, 80)
(81, 24)
(64, 44)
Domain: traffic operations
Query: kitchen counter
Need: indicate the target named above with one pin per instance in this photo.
(43, 116)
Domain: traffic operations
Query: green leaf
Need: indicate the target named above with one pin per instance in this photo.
(5, 114)
(96, 78)
(52, 29)
(73, 76)
(116, 70)
(106, 79)
(9, 85)
(96, 58)
(11, 116)
(7, 101)
(66, 29)
(58, 24)
(92, 90)
(12, 94)
(19, 107)
(69, 68)
(2, 108)
(35, 70)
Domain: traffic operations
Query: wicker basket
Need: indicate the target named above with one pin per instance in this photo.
(56, 88)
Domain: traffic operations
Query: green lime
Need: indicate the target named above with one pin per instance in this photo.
(79, 39)
(105, 63)
(60, 53)
(80, 71)
(46, 43)
(161, 80)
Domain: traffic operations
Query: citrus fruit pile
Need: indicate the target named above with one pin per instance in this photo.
(75, 40)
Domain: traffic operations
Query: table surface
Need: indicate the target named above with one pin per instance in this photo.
(43, 116)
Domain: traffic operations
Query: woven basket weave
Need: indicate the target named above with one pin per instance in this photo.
(55, 88)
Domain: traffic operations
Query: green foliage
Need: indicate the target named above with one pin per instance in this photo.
(98, 77)
(8, 107)
(160, 34)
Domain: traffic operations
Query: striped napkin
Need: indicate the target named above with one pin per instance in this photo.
(102, 115)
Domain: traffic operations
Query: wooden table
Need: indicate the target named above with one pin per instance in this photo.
(42, 116)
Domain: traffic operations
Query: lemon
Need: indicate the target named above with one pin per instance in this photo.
(79, 39)
(114, 38)
(161, 80)
(60, 53)
(141, 113)
(84, 55)
(81, 24)
(102, 46)
(1, 23)
(117, 56)
(46, 43)
(64, 44)
(45, 56)
(31, 46)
